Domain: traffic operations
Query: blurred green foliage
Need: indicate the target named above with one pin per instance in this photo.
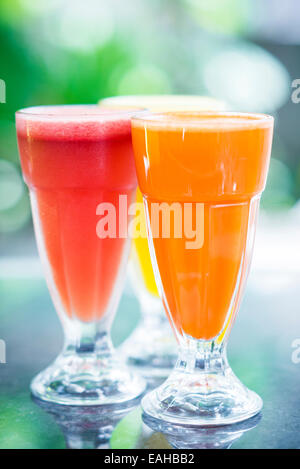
(69, 51)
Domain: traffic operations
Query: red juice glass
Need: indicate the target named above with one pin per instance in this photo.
(77, 160)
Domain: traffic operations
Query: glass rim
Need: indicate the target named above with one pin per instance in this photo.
(44, 111)
(197, 118)
(164, 98)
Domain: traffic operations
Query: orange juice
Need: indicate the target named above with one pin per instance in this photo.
(217, 160)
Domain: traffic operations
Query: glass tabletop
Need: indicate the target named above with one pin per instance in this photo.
(262, 353)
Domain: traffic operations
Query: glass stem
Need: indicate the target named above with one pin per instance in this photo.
(199, 356)
(153, 315)
(88, 338)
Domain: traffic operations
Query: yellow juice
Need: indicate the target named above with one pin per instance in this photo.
(141, 254)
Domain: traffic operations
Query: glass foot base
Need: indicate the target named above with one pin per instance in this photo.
(152, 351)
(200, 399)
(88, 380)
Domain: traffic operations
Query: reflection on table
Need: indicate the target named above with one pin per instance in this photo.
(92, 427)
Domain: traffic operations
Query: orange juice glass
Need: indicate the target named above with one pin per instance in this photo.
(151, 348)
(201, 176)
(74, 159)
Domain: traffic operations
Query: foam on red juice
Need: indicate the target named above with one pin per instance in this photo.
(71, 164)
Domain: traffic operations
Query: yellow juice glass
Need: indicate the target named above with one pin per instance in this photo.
(151, 348)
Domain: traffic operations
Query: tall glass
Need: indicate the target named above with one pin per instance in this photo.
(77, 162)
(151, 348)
(201, 176)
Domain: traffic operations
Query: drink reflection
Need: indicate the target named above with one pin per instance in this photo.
(180, 437)
(92, 427)
(84, 427)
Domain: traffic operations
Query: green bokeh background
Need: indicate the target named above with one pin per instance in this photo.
(69, 51)
(72, 51)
